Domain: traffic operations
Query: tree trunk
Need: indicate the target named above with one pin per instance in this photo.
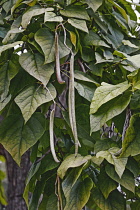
(16, 181)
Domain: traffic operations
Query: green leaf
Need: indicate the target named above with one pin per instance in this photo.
(33, 11)
(83, 125)
(135, 205)
(49, 202)
(71, 179)
(46, 41)
(13, 66)
(52, 17)
(105, 93)
(131, 142)
(133, 166)
(93, 39)
(8, 46)
(106, 184)
(119, 163)
(4, 82)
(47, 164)
(36, 194)
(79, 24)
(109, 110)
(79, 194)
(75, 12)
(32, 97)
(96, 160)
(98, 198)
(104, 144)
(16, 138)
(115, 200)
(97, 69)
(134, 60)
(94, 4)
(84, 77)
(3, 32)
(98, 20)
(71, 162)
(130, 44)
(85, 91)
(5, 102)
(115, 38)
(13, 32)
(121, 10)
(135, 100)
(34, 65)
(34, 168)
(17, 3)
(127, 179)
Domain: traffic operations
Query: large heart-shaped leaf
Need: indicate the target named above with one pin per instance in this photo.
(114, 201)
(105, 93)
(75, 12)
(127, 179)
(79, 194)
(32, 97)
(46, 41)
(33, 11)
(109, 110)
(106, 184)
(17, 138)
(85, 91)
(34, 65)
(71, 179)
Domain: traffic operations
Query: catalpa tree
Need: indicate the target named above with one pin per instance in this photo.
(70, 93)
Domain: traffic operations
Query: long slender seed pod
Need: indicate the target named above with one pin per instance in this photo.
(72, 116)
(57, 60)
(52, 135)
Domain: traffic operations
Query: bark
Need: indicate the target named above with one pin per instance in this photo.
(16, 181)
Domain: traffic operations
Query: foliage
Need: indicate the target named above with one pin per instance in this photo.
(69, 92)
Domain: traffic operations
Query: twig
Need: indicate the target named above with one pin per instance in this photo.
(81, 65)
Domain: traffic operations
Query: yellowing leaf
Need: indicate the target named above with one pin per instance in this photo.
(71, 162)
(73, 38)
